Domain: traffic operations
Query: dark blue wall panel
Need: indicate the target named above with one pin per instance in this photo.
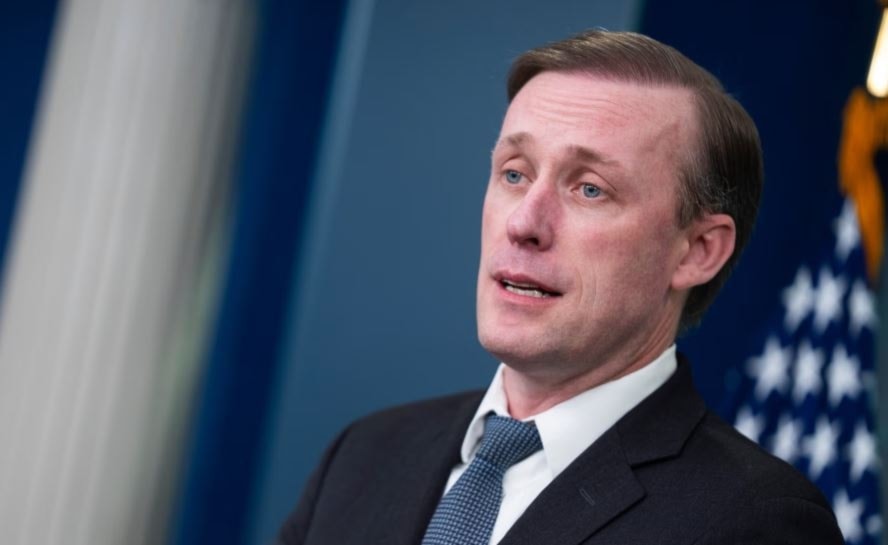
(296, 47)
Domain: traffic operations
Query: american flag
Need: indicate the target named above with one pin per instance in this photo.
(807, 392)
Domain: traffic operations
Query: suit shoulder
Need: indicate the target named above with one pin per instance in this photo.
(757, 472)
(763, 499)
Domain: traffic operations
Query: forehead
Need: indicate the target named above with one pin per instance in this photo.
(627, 121)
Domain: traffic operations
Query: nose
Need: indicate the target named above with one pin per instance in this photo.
(532, 222)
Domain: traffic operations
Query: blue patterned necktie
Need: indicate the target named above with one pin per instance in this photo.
(467, 513)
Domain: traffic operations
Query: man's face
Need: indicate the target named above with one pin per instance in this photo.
(579, 240)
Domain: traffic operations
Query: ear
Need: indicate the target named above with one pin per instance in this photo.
(710, 245)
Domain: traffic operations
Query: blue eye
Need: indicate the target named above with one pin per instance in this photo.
(590, 191)
(513, 176)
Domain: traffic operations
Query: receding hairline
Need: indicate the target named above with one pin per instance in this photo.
(627, 56)
(620, 77)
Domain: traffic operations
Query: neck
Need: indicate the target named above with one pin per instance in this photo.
(531, 390)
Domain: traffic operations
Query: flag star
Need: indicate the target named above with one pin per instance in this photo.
(847, 230)
(828, 305)
(843, 376)
(874, 525)
(799, 299)
(749, 424)
(786, 439)
(771, 369)
(806, 378)
(821, 447)
(848, 516)
(862, 451)
(862, 308)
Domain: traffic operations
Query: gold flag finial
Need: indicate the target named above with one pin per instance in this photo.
(865, 132)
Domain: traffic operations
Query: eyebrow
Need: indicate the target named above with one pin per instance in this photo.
(582, 153)
(515, 140)
(589, 155)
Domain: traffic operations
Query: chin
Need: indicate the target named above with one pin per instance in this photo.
(514, 349)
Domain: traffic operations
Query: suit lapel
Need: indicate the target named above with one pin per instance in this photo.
(601, 483)
(581, 500)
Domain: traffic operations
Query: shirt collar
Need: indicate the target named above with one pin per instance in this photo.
(569, 428)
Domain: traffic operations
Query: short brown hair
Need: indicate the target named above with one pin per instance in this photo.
(724, 174)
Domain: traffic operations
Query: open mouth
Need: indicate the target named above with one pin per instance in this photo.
(529, 290)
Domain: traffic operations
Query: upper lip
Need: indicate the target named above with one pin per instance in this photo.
(524, 281)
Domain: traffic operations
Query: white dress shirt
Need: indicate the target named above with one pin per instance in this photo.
(566, 430)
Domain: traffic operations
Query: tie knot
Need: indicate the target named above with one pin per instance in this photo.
(507, 441)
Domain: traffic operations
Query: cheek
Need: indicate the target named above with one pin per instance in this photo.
(629, 262)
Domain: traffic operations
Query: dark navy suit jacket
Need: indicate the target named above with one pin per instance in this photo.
(668, 472)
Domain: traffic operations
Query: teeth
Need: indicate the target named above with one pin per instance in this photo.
(530, 292)
(520, 285)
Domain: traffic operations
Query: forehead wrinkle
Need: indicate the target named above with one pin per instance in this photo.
(577, 111)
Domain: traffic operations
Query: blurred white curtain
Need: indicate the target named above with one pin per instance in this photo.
(113, 269)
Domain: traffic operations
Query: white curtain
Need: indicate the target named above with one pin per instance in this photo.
(114, 265)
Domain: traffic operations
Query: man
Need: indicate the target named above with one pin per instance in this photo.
(624, 185)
